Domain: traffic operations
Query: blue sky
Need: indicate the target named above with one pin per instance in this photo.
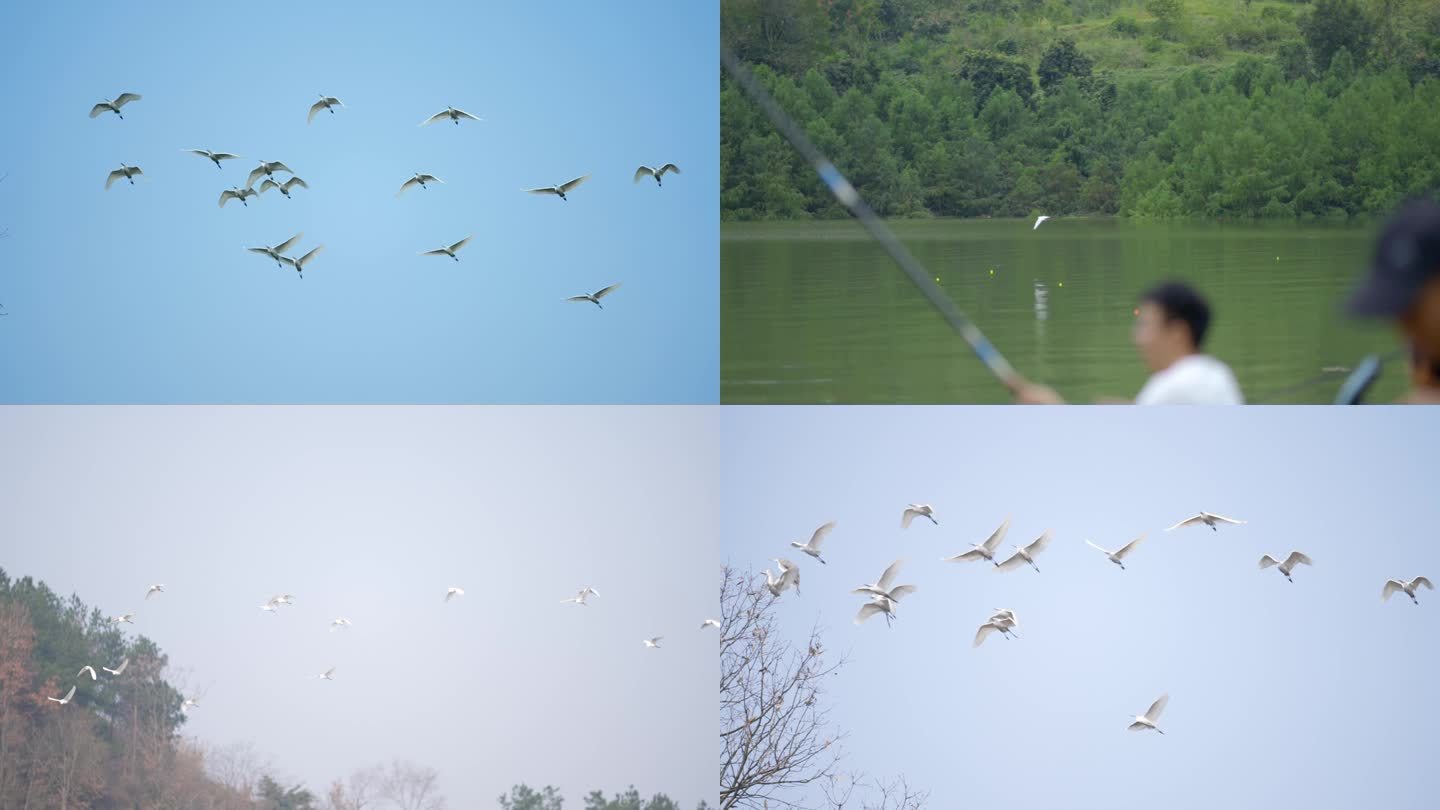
(144, 293)
(1311, 694)
(370, 514)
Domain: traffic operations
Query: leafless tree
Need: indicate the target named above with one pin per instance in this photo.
(411, 787)
(773, 719)
(853, 791)
(359, 792)
(238, 767)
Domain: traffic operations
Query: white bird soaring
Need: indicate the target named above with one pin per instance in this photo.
(813, 546)
(1393, 585)
(281, 599)
(985, 550)
(595, 297)
(917, 510)
(1148, 719)
(883, 597)
(213, 157)
(339, 623)
(653, 643)
(715, 623)
(1208, 519)
(284, 187)
(267, 169)
(119, 669)
(114, 106)
(275, 252)
(240, 194)
(1039, 220)
(877, 604)
(789, 573)
(450, 250)
(580, 598)
(299, 264)
(126, 171)
(452, 592)
(154, 589)
(450, 113)
(1026, 554)
(325, 103)
(559, 190)
(327, 675)
(66, 699)
(418, 179)
(1295, 558)
(125, 619)
(1118, 556)
(85, 669)
(1003, 621)
(649, 171)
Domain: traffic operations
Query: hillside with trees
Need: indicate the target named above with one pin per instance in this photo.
(117, 743)
(1150, 109)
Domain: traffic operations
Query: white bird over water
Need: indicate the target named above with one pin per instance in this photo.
(1149, 718)
(915, 510)
(213, 157)
(339, 624)
(650, 171)
(325, 103)
(299, 264)
(1039, 220)
(418, 179)
(985, 550)
(715, 623)
(119, 669)
(240, 194)
(1208, 519)
(327, 675)
(267, 169)
(1118, 556)
(450, 250)
(1295, 558)
(275, 252)
(284, 187)
(66, 699)
(653, 643)
(1026, 554)
(560, 190)
(595, 297)
(580, 598)
(85, 669)
(1393, 585)
(813, 546)
(452, 592)
(125, 618)
(126, 171)
(154, 589)
(450, 113)
(114, 106)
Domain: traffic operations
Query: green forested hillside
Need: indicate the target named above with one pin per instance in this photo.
(1144, 108)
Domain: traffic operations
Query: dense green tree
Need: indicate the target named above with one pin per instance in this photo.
(1062, 59)
(1336, 25)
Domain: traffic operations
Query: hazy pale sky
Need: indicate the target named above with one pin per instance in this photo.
(370, 514)
(1312, 694)
(145, 294)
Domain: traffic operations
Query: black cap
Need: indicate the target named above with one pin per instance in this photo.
(1406, 256)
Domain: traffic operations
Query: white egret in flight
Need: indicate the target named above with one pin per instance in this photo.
(119, 669)
(1393, 585)
(1148, 719)
(275, 252)
(325, 103)
(985, 550)
(1208, 519)
(450, 250)
(66, 699)
(813, 546)
(114, 106)
(213, 157)
(240, 194)
(267, 169)
(1026, 554)
(649, 171)
(299, 264)
(917, 510)
(284, 187)
(126, 171)
(560, 190)
(1118, 556)
(418, 179)
(1295, 558)
(450, 113)
(595, 297)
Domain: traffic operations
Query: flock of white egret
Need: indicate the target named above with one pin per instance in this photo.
(278, 601)
(882, 597)
(267, 170)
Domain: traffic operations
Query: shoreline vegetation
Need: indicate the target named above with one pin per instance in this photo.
(1142, 109)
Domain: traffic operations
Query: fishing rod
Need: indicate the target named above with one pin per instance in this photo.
(856, 205)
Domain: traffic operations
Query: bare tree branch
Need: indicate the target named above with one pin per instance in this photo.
(773, 720)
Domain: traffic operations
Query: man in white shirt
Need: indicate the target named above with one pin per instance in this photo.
(1170, 327)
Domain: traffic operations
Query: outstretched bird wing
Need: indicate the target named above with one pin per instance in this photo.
(1188, 521)
(464, 114)
(994, 541)
(972, 554)
(985, 630)
(267, 184)
(1418, 581)
(578, 298)
(1129, 547)
(255, 174)
(436, 117)
(462, 243)
(573, 183)
(1092, 545)
(1267, 561)
(1153, 713)
(545, 190)
(308, 256)
(99, 108)
(1038, 544)
(295, 181)
(126, 98)
(889, 575)
(281, 248)
(407, 185)
(819, 535)
(1298, 557)
(1225, 519)
(643, 171)
(225, 196)
(1011, 563)
(668, 167)
(867, 610)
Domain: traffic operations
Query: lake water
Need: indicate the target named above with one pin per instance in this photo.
(815, 312)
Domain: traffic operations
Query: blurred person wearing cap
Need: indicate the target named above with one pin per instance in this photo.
(1170, 327)
(1404, 287)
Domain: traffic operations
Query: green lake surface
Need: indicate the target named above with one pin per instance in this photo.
(815, 312)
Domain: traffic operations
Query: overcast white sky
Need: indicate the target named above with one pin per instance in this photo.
(371, 513)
